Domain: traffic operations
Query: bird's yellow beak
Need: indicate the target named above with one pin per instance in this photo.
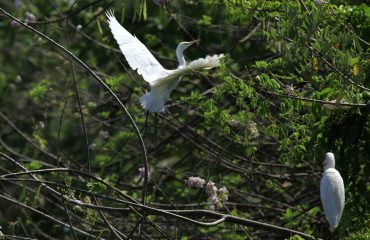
(194, 41)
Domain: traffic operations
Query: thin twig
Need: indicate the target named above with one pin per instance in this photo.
(59, 178)
(86, 138)
(332, 66)
(251, 33)
(304, 7)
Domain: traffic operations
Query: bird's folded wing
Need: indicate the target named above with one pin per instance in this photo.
(206, 63)
(137, 55)
(332, 196)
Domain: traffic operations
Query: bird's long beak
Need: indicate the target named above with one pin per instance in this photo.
(194, 41)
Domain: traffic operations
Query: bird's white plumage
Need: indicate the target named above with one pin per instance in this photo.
(137, 55)
(161, 80)
(332, 192)
(206, 63)
(155, 100)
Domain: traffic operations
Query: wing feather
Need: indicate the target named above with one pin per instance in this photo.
(137, 55)
(206, 63)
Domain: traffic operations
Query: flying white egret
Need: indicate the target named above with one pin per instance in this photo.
(332, 192)
(162, 81)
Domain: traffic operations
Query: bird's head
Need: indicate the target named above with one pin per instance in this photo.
(180, 52)
(184, 45)
(329, 160)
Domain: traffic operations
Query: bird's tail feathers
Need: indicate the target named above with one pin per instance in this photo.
(206, 63)
(152, 103)
(331, 229)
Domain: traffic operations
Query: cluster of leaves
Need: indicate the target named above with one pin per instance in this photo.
(258, 125)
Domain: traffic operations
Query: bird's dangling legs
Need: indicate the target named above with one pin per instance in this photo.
(335, 234)
(146, 122)
(156, 128)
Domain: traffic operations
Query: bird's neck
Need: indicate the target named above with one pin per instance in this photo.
(329, 162)
(328, 166)
(180, 58)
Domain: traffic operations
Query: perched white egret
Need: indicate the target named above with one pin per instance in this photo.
(162, 81)
(332, 192)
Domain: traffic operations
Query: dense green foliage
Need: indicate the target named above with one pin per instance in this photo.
(294, 84)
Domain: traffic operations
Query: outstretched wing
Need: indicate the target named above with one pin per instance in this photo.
(205, 63)
(137, 55)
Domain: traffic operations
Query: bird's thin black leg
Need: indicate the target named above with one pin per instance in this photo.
(146, 122)
(156, 129)
(336, 234)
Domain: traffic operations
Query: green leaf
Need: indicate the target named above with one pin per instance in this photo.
(205, 21)
(261, 64)
(352, 61)
(38, 90)
(114, 82)
(33, 165)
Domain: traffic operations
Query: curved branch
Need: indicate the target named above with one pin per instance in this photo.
(45, 215)
(65, 16)
(26, 137)
(243, 221)
(179, 214)
(332, 66)
(307, 99)
(77, 172)
(315, 100)
(104, 85)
